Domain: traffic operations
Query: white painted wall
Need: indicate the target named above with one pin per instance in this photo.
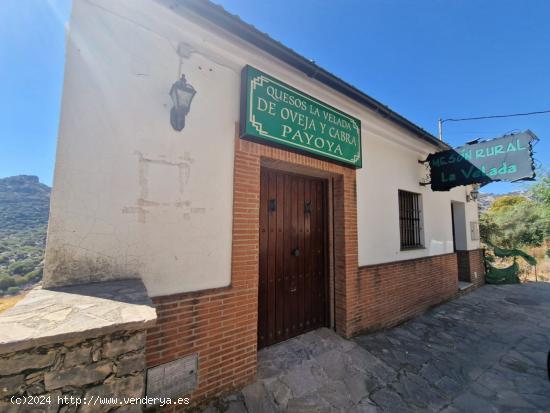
(134, 198)
(390, 163)
(461, 225)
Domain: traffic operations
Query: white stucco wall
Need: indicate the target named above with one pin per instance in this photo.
(390, 163)
(134, 198)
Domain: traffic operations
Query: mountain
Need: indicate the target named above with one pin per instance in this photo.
(487, 198)
(24, 203)
(24, 209)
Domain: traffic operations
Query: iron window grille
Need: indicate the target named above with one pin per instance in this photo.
(410, 220)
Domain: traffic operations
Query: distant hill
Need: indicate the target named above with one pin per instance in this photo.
(24, 203)
(24, 209)
(486, 199)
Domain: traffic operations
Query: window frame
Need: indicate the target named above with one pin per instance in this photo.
(411, 225)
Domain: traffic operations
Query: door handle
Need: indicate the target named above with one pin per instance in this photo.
(296, 252)
(293, 290)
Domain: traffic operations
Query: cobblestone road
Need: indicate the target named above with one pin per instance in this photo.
(484, 352)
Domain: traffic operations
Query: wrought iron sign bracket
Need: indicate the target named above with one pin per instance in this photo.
(423, 162)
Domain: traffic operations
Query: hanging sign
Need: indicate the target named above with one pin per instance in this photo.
(274, 112)
(508, 158)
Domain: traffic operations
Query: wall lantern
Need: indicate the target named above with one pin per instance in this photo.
(473, 195)
(181, 93)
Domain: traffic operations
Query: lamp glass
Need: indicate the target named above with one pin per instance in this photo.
(182, 95)
(185, 96)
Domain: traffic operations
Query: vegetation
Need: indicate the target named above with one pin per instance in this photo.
(24, 208)
(515, 222)
(519, 221)
(508, 275)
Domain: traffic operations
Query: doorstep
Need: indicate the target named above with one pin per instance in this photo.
(463, 285)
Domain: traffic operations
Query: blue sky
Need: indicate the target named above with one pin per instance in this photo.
(425, 59)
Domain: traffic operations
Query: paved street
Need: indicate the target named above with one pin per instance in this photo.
(484, 352)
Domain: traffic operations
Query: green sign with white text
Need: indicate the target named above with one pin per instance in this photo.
(275, 112)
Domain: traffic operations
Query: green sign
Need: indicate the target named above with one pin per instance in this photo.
(275, 112)
(508, 158)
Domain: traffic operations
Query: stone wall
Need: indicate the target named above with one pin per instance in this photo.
(112, 365)
(83, 342)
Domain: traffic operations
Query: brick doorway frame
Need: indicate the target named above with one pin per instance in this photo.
(250, 157)
(220, 325)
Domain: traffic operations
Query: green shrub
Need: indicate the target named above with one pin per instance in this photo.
(514, 222)
(6, 282)
(21, 267)
(13, 290)
(34, 275)
(21, 280)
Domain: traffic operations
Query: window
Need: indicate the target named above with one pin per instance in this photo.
(410, 220)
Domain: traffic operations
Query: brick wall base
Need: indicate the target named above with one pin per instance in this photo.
(471, 267)
(394, 292)
(219, 326)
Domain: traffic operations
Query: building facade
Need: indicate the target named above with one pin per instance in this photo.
(240, 242)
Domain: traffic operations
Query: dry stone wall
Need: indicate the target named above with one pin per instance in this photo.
(91, 371)
(76, 349)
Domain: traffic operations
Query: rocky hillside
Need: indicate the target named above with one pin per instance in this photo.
(24, 208)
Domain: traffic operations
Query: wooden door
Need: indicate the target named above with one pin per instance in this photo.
(293, 291)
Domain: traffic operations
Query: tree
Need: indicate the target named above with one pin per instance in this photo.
(515, 221)
(506, 203)
(540, 190)
(488, 228)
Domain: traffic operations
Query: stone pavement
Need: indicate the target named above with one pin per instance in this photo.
(484, 352)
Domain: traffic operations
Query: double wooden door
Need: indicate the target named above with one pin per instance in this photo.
(293, 291)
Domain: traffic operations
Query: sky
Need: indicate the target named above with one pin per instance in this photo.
(425, 59)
